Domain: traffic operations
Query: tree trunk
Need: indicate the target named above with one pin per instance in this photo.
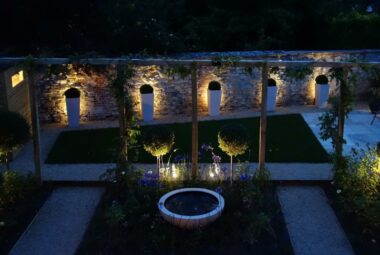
(342, 112)
(158, 167)
(35, 125)
(194, 119)
(123, 142)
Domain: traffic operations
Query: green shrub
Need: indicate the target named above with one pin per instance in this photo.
(322, 79)
(234, 140)
(14, 132)
(357, 180)
(158, 140)
(146, 89)
(15, 187)
(214, 85)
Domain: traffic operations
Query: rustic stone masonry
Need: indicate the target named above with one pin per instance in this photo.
(241, 90)
(96, 101)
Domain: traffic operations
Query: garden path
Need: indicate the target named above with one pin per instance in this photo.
(312, 225)
(60, 224)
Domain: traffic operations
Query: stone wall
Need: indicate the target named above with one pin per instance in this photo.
(96, 101)
(241, 90)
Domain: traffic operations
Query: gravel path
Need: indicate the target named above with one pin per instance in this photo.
(60, 224)
(312, 225)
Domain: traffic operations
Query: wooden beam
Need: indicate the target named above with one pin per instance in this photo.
(185, 62)
(263, 116)
(194, 119)
(35, 125)
(342, 111)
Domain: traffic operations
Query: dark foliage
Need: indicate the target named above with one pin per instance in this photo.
(158, 140)
(14, 131)
(233, 139)
(118, 27)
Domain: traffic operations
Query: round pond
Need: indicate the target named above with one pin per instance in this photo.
(191, 207)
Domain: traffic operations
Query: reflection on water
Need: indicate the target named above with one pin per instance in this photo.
(191, 203)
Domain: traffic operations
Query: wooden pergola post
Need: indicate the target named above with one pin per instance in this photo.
(342, 111)
(194, 119)
(35, 124)
(263, 116)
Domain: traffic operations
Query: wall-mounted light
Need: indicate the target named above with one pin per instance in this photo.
(17, 78)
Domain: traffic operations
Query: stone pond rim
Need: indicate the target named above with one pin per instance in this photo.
(192, 221)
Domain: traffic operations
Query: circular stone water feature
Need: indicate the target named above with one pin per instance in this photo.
(191, 207)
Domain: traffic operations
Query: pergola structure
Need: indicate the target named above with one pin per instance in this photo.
(264, 64)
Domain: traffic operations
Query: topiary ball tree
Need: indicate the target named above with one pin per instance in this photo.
(233, 140)
(158, 141)
(14, 132)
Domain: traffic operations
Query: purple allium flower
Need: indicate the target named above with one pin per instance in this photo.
(216, 159)
(206, 147)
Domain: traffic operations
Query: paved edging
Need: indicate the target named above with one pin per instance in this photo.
(60, 224)
(311, 222)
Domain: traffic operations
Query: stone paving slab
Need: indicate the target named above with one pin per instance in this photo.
(278, 171)
(60, 224)
(312, 225)
(358, 131)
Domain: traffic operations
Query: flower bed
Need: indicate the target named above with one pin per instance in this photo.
(128, 222)
(355, 196)
(20, 200)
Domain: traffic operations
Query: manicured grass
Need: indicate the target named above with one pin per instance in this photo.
(289, 139)
(128, 222)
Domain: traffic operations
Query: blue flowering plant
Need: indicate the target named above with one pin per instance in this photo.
(149, 179)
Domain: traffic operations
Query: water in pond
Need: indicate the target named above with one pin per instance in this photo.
(191, 203)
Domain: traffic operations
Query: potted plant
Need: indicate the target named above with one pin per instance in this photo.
(321, 91)
(272, 93)
(158, 141)
(14, 132)
(147, 102)
(73, 106)
(214, 95)
(233, 139)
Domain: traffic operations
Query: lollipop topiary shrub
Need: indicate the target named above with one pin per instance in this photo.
(233, 140)
(158, 141)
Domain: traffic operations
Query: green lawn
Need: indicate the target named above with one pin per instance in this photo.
(289, 139)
